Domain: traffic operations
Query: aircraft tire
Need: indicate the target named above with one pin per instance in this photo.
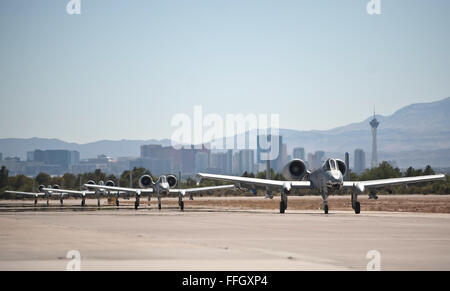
(357, 208)
(325, 209)
(282, 207)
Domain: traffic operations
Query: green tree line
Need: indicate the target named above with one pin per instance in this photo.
(75, 182)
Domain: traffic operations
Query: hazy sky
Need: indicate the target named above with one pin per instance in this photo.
(121, 69)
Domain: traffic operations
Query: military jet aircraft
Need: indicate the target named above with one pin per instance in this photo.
(163, 186)
(55, 191)
(44, 192)
(326, 180)
(83, 194)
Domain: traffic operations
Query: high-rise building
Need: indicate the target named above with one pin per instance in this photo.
(64, 158)
(310, 161)
(319, 158)
(30, 156)
(235, 164)
(201, 161)
(1, 156)
(265, 144)
(374, 125)
(299, 153)
(316, 160)
(347, 166)
(246, 161)
(187, 160)
(229, 166)
(360, 161)
(219, 162)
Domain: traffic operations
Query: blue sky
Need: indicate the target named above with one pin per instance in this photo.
(121, 69)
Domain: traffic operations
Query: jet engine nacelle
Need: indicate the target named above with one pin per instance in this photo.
(90, 182)
(172, 180)
(56, 186)
(146, 181)
(294, 170)
(110, 183)
(342, 167)
(41, 187)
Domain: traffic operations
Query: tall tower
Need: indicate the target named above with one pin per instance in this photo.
(374, 124)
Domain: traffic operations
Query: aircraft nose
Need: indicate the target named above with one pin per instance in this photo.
(336, 176)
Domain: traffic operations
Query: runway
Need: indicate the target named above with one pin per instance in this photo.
(202, 238)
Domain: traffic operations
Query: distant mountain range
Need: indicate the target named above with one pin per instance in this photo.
(423, 126)
(419, 131)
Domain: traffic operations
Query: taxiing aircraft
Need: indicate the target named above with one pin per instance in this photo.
(326, 180)
(44, 192)
(56, 191)
(83, 194)
(163, 186)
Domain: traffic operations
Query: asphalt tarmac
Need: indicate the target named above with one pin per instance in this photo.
(218, 238)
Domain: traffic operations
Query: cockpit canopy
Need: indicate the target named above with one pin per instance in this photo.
(330, 164)
(335, 164)
(163, 179)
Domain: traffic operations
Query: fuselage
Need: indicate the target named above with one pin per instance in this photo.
(161, 186)
(328, 178)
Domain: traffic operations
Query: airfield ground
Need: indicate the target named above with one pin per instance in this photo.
(228, 234)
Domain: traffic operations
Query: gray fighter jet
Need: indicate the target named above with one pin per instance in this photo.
(326, 180)
(163, 186)
(45, 192)
(83, 194)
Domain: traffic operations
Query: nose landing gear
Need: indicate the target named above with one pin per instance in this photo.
(136, 203)
(284, 201)
(325, 206)
(180, 202)
(355, 204)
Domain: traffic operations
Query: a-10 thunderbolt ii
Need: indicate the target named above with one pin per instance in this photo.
(90, 192)
(45, 192)
(326, 180)
(162, 187)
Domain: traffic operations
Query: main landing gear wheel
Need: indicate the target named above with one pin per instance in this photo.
(98, 203)
(117, 202)
(83, 203)
(136, 205)
(282, 207)
(325, 208)
(159, 205)
(357, 208)
(181, 205)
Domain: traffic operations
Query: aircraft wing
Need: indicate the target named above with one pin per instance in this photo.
(124, 189)
(71, 192)
(25, 193)
(394, 181)
(257, 181)
(200, 189)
